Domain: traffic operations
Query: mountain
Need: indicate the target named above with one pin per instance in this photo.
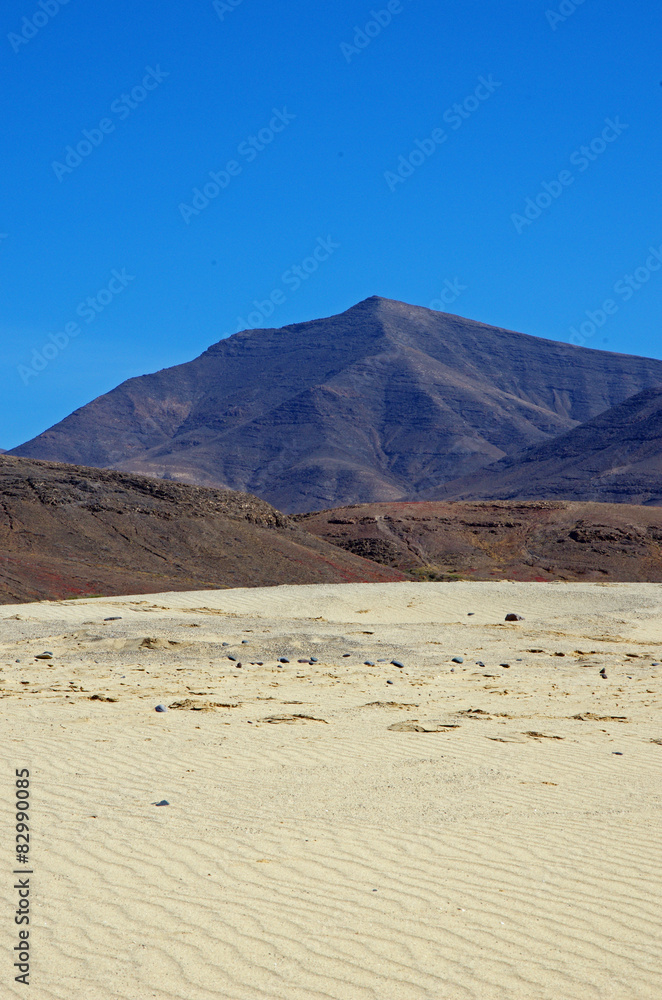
(538, 540)
(382, 401)
(614, 458)
(67, 531)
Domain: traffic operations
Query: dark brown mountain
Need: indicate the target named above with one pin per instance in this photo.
(68, 531)
(614, 458)
(538, 540)
(383, 401)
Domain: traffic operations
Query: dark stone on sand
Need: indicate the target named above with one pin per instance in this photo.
(504, 665)
(603, 674)
(231, 657)
(117, 618)
(46, 655)
(368, 663)
(160, 708)
(389, 682)
(313, 659)
(512, 617)
(396, 663)
(457, 659)
(283, 659)
(345, 655)
(163, 802)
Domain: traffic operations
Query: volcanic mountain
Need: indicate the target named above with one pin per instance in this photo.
(614, 458)
(67, 531)
(383, 401)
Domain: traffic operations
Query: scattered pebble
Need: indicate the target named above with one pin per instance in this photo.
(512, 617)
(283, 659)
(479, 663)
(245, 642)
(237, 665)
(389, 682)
(368, 663)
(230, 657)
(506, 665)
(470, 613)
(603, 674)
(457, 659)
(160, 708)
(396, 663)
(225, 644)
(345, 655)
(163, 802)
(46, 655)
(313, 659)
(117, 618)
(617, 753)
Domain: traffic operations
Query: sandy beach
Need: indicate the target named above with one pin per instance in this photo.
(479, 830)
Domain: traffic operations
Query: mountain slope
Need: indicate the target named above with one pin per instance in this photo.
(382, 401)
(614, 458)
(69, 531)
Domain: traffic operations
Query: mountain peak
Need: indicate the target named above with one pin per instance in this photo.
(383, 401)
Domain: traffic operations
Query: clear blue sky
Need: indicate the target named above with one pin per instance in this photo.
(351, 105)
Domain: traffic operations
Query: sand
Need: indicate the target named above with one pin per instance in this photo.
(466, 831)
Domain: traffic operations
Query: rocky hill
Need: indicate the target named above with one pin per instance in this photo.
(68, 531)
(534, 541)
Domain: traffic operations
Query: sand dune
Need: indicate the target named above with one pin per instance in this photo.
(488, 829)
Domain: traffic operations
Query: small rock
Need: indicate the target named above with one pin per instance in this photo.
(603, 674)
(512, 617)
(163, 802)
(396, 663)
(245, 642)
(345, 655)
(368, 663)
(303, 661)
(313, 659)
(283, 659)
(389, 682)
(117, 618)
(506, 665)
(617, 753)
(46, 655)
(452, 670)
(457, 659)
(479, 663)
(470, 613)
(237, 665)
(160, 708)
(231, 657)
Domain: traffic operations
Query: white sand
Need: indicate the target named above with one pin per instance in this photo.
(474, 856)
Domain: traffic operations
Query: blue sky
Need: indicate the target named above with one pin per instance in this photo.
(405, 148)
